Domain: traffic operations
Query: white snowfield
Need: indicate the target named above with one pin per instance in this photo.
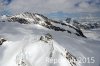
(24, 47)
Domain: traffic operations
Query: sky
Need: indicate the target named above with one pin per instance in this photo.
(51, 8)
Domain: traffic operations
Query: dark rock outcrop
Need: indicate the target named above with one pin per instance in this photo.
(46, 38)
(35, 18)
(2, 40)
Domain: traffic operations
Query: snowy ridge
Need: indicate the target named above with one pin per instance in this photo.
(83, 25)
(33, 44)
(29, 18)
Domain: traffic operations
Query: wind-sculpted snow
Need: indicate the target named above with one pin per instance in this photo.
(35, 45)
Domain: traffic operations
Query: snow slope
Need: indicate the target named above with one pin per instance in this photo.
(24, 47)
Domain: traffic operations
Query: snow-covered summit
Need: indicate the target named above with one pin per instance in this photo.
(40, 41)
(35, 18)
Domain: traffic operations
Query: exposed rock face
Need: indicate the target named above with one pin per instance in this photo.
(68, 20)
(35, 18)
(87, 25)
(20, 20)
(72, 59)
(46, 38)
(2, 40)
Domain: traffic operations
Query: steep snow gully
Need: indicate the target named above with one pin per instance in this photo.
(31, 39)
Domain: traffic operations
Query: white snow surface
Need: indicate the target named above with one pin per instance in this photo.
(23, 47)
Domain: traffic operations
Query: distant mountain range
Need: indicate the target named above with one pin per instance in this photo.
(32, 39)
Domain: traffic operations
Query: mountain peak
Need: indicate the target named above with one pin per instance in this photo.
(35, 18)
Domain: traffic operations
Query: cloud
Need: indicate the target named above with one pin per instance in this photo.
(52, 6)
(2, 4)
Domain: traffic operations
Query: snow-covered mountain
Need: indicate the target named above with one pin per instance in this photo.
(29, 18)
(31, 39)
(88, 25)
